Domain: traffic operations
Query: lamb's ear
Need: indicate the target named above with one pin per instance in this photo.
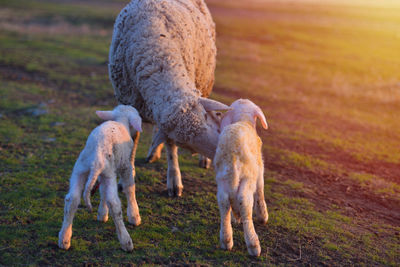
(210, 105)
(136, 122)
(226, 119)
(105, 115)
(259, 114)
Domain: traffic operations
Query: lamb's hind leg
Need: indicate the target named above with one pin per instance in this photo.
(225, 234)
(174, 179)
(114, 205)
(72, 200)
(260, 206)
(245, 202)
(102, 213)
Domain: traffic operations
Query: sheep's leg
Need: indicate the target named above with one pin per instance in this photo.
(174, 180)
(136, 138)
(204, 162)
(225, 234)
(72, 200)
(128, 182)
(156, 147)
(245, 201)
(130, 187)
(102, 214)
(114, 205)
(260, 206)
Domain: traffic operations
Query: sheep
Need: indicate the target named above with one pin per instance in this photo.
(109, 151)
(240, 173)
(162, 60)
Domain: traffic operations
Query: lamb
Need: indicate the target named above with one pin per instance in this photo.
(162, 62)
(240, 173)
(109, 151)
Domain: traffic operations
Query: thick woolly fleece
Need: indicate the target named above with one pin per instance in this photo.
(162, 59)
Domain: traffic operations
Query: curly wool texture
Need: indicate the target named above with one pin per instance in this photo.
(162, 59)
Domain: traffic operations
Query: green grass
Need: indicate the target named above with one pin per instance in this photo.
(316, 70)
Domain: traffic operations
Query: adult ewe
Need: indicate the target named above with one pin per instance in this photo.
(162, 61)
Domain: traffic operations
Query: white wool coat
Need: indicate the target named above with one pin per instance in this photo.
(162, 59)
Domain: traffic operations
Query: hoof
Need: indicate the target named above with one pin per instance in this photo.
(128, 246)
(175, 192)
(205, 163)
(135, 221)
(227, 244)
(147, 160)
(152, 158)
(102, 218)
(254, 251)
(64, 244)
(263, 220)
(64, 238)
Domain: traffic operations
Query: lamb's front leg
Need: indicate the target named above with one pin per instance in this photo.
(174, 179)
(225, 234)
(129, 187)
(245, 199)
(72, 200)
(114, 205)
(135, 137)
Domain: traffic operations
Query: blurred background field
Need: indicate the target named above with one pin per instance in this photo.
(326, 74)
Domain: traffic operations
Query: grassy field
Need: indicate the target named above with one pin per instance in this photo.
(326, 74)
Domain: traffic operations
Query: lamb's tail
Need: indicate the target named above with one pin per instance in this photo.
(93, 176)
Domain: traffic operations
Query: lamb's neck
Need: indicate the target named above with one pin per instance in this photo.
(245, 117)
(124, 121)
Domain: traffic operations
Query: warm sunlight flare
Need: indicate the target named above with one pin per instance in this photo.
(325, 73)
